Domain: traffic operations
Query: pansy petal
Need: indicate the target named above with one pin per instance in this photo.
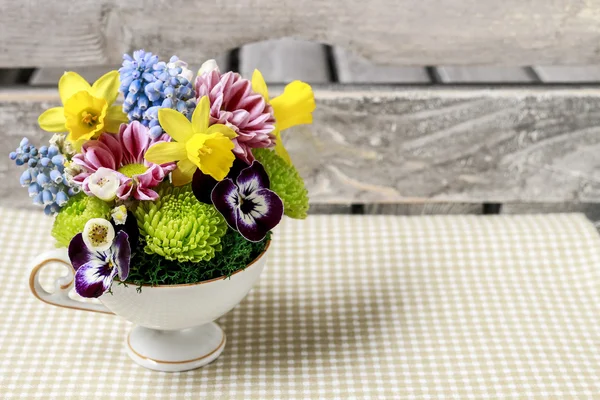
(165, 152)
(175, 124)
(79, 254)
(200, 117)
(71, 83)
(202, 186)
(225, 197)
(53, 120)
(260, 213)
(253, 178)
(121, 254)
(94, 278)
(107, 87)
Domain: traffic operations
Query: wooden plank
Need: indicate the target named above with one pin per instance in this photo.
(329, 209)
(562, 74)
(472, 74)
(414, 145)
(352, 68)
(97, 32)
(591, 210)
(284, 60)
(424, 209)
(51, 75)
(9, 76)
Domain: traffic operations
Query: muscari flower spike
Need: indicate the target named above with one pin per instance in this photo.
(98, 255)
(44, 176)
(248, 205)
(149, 85)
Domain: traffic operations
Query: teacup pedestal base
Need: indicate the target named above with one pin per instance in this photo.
(174, 351)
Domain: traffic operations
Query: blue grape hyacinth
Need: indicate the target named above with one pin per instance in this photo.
(44, 175)
(149, 84)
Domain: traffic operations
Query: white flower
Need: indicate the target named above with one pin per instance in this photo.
(104, 184)
(119, 214)
(208, 66)
(98, 234)
(185, 71)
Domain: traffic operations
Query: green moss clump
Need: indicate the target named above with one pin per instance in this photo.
(71, 219)
(178, 227)
(286, 182)
(236, 254)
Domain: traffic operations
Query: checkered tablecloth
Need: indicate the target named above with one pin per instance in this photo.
(444, 307)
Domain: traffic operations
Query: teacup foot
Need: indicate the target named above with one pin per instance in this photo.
(174, 351)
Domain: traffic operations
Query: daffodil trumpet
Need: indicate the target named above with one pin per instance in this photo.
(87, 111)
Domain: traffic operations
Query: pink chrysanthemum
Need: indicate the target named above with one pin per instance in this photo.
(124, 153)
(235, 104)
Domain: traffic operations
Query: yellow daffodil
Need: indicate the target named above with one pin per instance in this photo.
(293, 107)
(87, 110)
(195, 145)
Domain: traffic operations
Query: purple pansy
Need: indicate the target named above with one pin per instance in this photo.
(202, 184)
(247, 204)
(95, 270)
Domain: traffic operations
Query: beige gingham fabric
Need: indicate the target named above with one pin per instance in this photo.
(349, 307)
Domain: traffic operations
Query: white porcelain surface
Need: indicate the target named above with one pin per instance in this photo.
(174, 324)
(179, 350)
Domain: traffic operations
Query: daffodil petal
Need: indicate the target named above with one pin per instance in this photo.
(175, 124)
(71, 83)
(165, 152)
(107, 87)
(201, 115)
(184, 173)
(259, 85)
(53, 120)
(279, 148)
(222, 129)
(294, 106)
(219, 161)
(114, 118)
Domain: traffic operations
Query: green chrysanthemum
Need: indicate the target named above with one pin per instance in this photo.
(71, 219)
(286, 182)
(179, 227)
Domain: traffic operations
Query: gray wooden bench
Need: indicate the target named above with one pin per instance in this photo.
(423, 107)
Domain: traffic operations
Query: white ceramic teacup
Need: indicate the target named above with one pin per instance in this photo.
(174, 328)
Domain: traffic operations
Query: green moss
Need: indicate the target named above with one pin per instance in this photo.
(178, 227)
(286, 182)
(236, 254)
(71, 219)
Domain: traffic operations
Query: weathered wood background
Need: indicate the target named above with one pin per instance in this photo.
(425, 32)
(409, 120)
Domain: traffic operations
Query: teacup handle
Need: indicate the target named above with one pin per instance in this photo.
(62, 286)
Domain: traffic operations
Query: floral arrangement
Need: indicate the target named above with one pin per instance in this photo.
(182, 182)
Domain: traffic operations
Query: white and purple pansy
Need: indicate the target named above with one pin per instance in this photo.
(95, 264)
(248, 205)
